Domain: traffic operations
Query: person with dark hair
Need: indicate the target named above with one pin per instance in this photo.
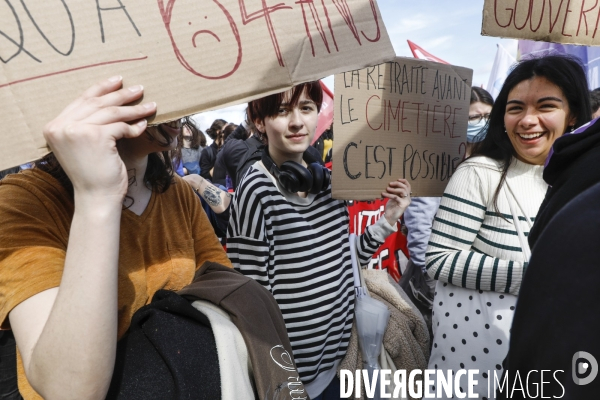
(219, 173)
(240, 151)
(479, 114)
(595, 102)
(202, 138)
(191, 148)
(209, 154)
(477, 250)
(228, 130)
(89, 235)
(287, 232)
(229, 155)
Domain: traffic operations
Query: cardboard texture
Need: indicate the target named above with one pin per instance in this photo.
(190, 56)
(406, 118)
(560, 21)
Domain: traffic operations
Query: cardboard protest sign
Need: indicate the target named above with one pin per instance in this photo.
(190, 55)
(561, 21)
(406, 118)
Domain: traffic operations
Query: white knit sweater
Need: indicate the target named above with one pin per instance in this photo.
(470, 245)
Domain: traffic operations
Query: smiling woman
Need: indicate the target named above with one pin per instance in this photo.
(477, 250)
(537, 113)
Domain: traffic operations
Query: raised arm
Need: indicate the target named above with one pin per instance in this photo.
(67, 335)
(450, 255)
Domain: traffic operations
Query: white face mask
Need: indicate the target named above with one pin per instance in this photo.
(476, 133)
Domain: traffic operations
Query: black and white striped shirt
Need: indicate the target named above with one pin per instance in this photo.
(298, 249)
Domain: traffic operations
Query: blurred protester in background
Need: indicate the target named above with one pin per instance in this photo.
(479, 115)
(241, 141)
(595, 102)
(219, 174)
(191, 146)
(209, 154)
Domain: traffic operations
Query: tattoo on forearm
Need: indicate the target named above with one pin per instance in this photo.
(212, 195)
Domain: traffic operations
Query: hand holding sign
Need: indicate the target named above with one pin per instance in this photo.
(398, 192)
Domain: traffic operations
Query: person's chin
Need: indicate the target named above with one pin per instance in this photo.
(298, 141)
(298, 148)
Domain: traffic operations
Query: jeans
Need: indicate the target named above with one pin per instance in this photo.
(8, 367)
(331, 392)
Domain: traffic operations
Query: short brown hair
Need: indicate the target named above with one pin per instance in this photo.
(268, 106)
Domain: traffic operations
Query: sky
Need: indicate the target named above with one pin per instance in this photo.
(448, 29)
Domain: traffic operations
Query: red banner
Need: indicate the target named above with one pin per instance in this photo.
(326, 113)
(365, 213)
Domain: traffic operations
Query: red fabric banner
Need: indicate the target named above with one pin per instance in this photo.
(422, 54)
(365, 213)
(326, 114)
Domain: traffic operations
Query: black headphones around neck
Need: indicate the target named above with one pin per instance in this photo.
(294, 177)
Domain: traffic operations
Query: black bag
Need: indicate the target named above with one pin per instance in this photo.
(420, 289)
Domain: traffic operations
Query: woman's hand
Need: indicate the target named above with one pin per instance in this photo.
(84, 138)
(398, 192)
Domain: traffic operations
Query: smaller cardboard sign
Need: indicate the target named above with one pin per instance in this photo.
(560, 21)
(406, 118)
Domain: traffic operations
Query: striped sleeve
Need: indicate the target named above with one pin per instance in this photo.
(451, 256)
(373, 237)
(247, 245)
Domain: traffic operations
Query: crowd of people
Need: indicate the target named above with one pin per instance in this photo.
(245, 233)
